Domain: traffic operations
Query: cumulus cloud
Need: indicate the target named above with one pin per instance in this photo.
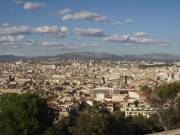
(67, 14)
(5, 24)
(141, 34)
(117, 38)
(10, 30)
(137, 38)
(63, 12)
(60, 31)
(11, 38)
(11, 41)
(7, 39)
(127, 21)
(59, 46)
(53, 44)
(141, 40)
(34, 5)
(15, 35)
(92, 32)
(50, 30)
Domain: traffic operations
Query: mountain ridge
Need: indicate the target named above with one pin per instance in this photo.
(99, 56)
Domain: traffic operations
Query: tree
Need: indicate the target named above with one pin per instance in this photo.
(60, 128)
(119, 125)
(96, 120)
(166, 99)
(137, 125)
(24, 114)
(88, 124)
(176, 118)
(147, 91)
(91, 120)
(167, 93)
(142, 125)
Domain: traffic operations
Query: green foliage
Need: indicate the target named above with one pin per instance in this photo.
(97, 120)
(146, 90)
(142, 125)
(89, 124)
(60, 128)
(165, 97)
(168, 92)
(119, 125)
(27, 114)
(176, 118)
(91, 120)
(138, 125)
(24, 114)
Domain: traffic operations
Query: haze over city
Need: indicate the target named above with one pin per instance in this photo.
(46, 27)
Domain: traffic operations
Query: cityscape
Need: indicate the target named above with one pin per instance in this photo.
(89, 67)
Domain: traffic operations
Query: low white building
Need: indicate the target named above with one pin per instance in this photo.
(57, 78)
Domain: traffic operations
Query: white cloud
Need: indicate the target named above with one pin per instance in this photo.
(53, 44)
(59, 46)
(93, 32)
(129, 21)
(67, 14)
(10, 30)
(138, 38)
(50, 30)
(141, 40)
(117, 38)
(64, 31)
(11, 41)
(11, 38)
(7, 39)
(34, 5)
(20, 37)
(63, 12)
(60, 31)
(123, 22)
(5, 24)
(141, 34)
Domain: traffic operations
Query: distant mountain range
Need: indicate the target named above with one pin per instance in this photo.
(97, 56)
(88, 55)
(10, 58)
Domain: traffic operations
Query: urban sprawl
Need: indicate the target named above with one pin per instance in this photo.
(66, 83)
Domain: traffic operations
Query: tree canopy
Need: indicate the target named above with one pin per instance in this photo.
(166, 98)
(24, 114)
(28, 114)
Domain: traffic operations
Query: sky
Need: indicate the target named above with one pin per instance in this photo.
(51, 27)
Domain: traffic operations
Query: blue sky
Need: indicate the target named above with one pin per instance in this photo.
(51, 27)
